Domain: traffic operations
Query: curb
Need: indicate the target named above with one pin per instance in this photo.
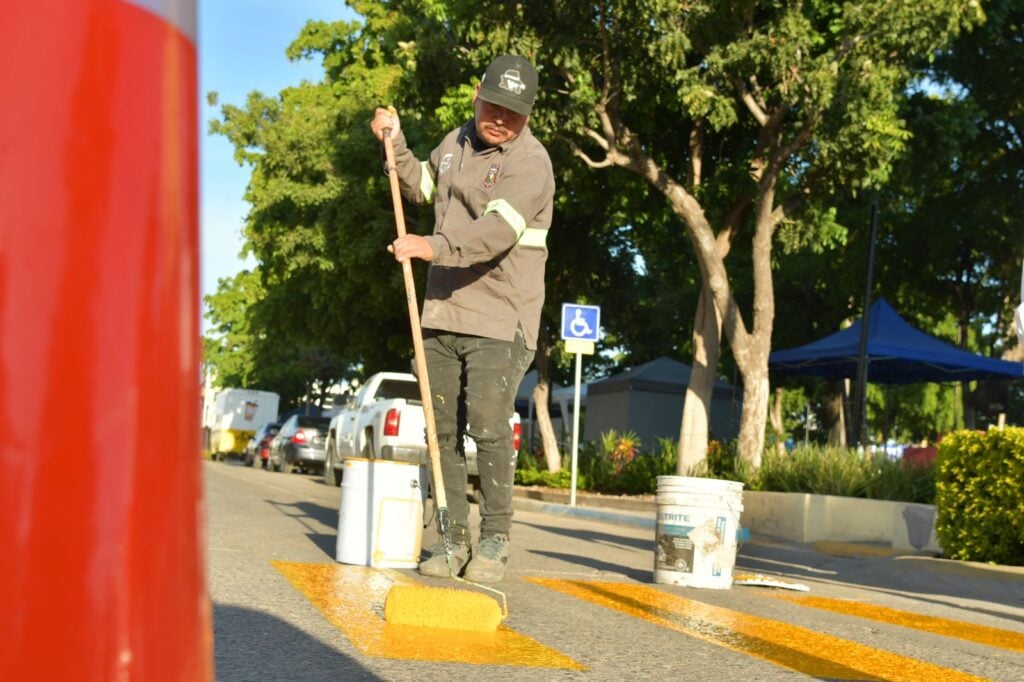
(591, 513)
(586, 499)
(864, 550)
(968, 569)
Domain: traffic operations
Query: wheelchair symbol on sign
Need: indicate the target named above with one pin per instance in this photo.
(578, 326)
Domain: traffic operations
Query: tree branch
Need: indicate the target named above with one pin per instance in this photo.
(612, 157)
(579, 153)
(799, 141)
(601, 141)
(731, 226)
(750, 101)
(786, 209)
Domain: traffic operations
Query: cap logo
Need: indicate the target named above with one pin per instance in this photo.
(511, 81)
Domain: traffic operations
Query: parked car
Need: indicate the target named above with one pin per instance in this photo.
(385, 421)
(258, 447)
(299, 444)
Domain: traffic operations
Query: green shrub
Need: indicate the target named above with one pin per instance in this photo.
(615, 466)
(558, 479)
(532, 471)
(845, 472)
(640, 475)
(723, 462)
(526, 460)
(979, 494)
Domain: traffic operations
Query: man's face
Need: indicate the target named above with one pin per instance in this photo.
(496, 125)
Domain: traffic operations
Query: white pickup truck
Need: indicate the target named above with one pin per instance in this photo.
(385, 421)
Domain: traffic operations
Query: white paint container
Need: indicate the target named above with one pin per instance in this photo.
(380, 520)
(695, 534)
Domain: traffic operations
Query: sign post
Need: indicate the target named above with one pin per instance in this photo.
(581, 325)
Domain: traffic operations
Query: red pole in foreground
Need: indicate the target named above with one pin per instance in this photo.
(101, 514)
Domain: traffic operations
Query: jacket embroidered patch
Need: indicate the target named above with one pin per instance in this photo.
(492, 176)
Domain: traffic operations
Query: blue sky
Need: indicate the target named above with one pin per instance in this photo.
(241, 49)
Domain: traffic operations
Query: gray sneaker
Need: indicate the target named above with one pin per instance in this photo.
(436, 565)
(489, 560)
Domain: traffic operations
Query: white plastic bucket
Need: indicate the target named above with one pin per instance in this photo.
(695, 533)
(380, 520)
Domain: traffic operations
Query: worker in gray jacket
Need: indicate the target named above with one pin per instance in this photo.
(492, 188)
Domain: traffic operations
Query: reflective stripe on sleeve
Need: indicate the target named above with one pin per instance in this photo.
(427, 186)
(511, 216)
(534, 237)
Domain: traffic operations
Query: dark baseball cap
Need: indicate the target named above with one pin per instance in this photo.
(511, 82)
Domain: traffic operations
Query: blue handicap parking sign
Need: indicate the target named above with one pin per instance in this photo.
(581, 322)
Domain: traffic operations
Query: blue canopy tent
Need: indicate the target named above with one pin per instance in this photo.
(896, 354)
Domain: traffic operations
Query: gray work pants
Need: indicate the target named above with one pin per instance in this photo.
(474, 381)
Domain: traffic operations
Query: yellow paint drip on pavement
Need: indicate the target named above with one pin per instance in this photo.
(982, 634)
(790, 646)
(352, 598)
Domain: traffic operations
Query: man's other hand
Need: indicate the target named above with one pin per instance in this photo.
(411, 246)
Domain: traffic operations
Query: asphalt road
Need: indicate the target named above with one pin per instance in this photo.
(583, 605)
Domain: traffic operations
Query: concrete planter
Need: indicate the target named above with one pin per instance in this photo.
(803, 517)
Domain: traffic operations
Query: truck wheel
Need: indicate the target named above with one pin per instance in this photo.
(331, 475)
(286, 466)
(368, 447)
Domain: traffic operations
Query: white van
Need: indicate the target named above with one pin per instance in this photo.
(233, 416)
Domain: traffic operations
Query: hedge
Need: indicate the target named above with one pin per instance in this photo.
(616, 466)
(979, 496)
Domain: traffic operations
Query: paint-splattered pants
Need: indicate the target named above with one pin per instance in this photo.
(474, 382)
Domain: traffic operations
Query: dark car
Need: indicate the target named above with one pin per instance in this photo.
(300, 444)
(258, 447)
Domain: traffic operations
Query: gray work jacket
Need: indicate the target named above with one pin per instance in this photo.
(492, 212)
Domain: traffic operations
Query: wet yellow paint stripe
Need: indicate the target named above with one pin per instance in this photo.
(805, 651)
(982, 634)
(352, 599)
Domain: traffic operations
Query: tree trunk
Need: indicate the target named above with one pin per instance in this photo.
(777, 425)
(834, 414)
(751, 349)
(967, 405)
(541, 395)
(755, 408)
(886, 417)
(693, 431)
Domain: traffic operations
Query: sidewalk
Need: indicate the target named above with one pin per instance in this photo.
(641, 512)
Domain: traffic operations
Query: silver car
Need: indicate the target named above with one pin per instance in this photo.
(300, 444)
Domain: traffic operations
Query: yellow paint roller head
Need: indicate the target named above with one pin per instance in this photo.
(441, 607)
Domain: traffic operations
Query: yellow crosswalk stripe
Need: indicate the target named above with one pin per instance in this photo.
(981, 634)
(352, 599)
(790, 646)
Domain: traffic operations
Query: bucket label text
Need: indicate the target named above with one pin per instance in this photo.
(674, 550)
